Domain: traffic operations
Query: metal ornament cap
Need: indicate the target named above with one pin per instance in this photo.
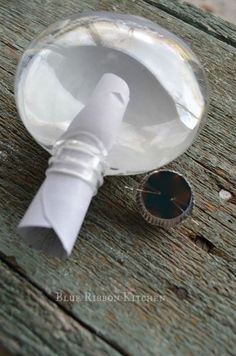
(164, 198)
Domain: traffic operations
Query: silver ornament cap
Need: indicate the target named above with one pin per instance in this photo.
(164, 198)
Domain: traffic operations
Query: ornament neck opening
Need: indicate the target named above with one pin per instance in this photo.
(82, 156)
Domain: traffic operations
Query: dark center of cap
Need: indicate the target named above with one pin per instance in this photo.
(165, 198)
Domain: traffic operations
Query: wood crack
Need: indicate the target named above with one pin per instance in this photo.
(18, 270)
(200, 26)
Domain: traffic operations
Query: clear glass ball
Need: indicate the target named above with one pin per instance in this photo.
(168, 90)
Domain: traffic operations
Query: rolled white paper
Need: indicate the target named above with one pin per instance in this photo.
(55, 216)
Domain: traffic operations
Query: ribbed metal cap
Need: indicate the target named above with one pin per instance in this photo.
(164, 198)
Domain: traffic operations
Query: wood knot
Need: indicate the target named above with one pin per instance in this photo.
(181, 292)
(204, 244)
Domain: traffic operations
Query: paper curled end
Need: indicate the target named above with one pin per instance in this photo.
(55, 216)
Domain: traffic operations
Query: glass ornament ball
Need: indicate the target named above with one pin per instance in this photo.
(168, 89)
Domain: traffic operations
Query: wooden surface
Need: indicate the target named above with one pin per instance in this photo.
(191, 268)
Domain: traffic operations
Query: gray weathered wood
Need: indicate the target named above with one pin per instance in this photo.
(192, 267)
(213, 25)
(29, 306)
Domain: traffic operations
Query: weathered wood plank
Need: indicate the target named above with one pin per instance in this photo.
(192, 266)
(26, 311)
(211, 24)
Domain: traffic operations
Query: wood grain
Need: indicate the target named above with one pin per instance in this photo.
(215, 26)
(190, 268)
(62, 334)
